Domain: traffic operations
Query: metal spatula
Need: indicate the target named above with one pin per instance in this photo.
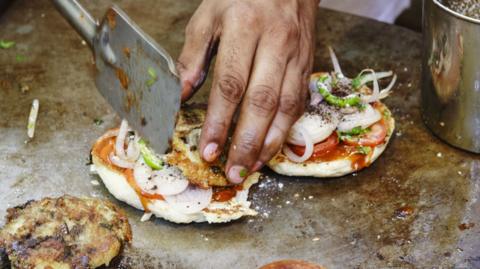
(133, 73)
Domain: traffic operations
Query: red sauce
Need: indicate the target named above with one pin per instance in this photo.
(342, 151)
(403, 212)
(223, 194)
(466, 226)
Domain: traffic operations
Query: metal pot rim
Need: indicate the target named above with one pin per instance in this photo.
(458, 15)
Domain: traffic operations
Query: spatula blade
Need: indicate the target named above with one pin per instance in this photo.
(138, 78)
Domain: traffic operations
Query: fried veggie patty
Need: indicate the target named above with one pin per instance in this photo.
(64, 232)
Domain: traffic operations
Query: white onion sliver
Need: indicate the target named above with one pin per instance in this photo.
(335, 63)
(376, 89)
(120, 163)
(361, 119)
(142, 174)
(315, 98)
(308, 149)
(169, 181)
(110, 133)
(318, 126)
(368, 78)
(120, 142)
(146, 217)
(385, 92)
(133, 151)
(190, 201)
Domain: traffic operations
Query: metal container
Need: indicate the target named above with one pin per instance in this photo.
(451, 76)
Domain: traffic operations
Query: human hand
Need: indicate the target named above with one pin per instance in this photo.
(265, 56)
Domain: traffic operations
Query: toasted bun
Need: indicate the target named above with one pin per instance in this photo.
(335, 168)
(185, 156)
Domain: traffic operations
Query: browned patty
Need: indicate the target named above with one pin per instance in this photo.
(198, 172)
(65, 232)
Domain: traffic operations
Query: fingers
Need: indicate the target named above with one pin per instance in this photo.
(291, 106)
(258, 109)
(234, 61)
(194, 60)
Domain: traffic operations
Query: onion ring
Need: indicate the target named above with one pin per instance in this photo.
(120, 142)
(385, 92)
(308, 149)
(120, 162)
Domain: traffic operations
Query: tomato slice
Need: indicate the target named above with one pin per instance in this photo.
(320, 148)
(374, 137)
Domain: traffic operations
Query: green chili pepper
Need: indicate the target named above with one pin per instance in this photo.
(149, 157)
(5, 44)
(338, 101)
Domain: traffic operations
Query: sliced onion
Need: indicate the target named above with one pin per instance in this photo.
(308, 149)
(169, 181)
(364, 119)
(111, 133)
(336, 64)
(120, 142)
(121, 163)
(318, 126)
(376, 89)
(133, 151)
(385, 92)
(190, 201)
(143, 176)
(368, 78)
(315, 97)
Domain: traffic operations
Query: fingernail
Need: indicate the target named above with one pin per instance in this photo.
(237, 174)
(258, 165)
(210, 152)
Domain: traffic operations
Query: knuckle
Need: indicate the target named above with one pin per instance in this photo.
(244, 12)
(290, 103)
(215, 126)
(263, 100)
(249, 143)
(231, 88)
(286, 32)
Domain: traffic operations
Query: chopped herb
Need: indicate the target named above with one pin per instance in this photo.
(357, 82)
(153, 76)
(338, 101)
(98, 122)
(20, 58)
(243, 173)
(149, 156)
(323, 79)
(364, 150)
(6, 44)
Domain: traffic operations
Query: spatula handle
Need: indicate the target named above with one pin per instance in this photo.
(79, 18)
